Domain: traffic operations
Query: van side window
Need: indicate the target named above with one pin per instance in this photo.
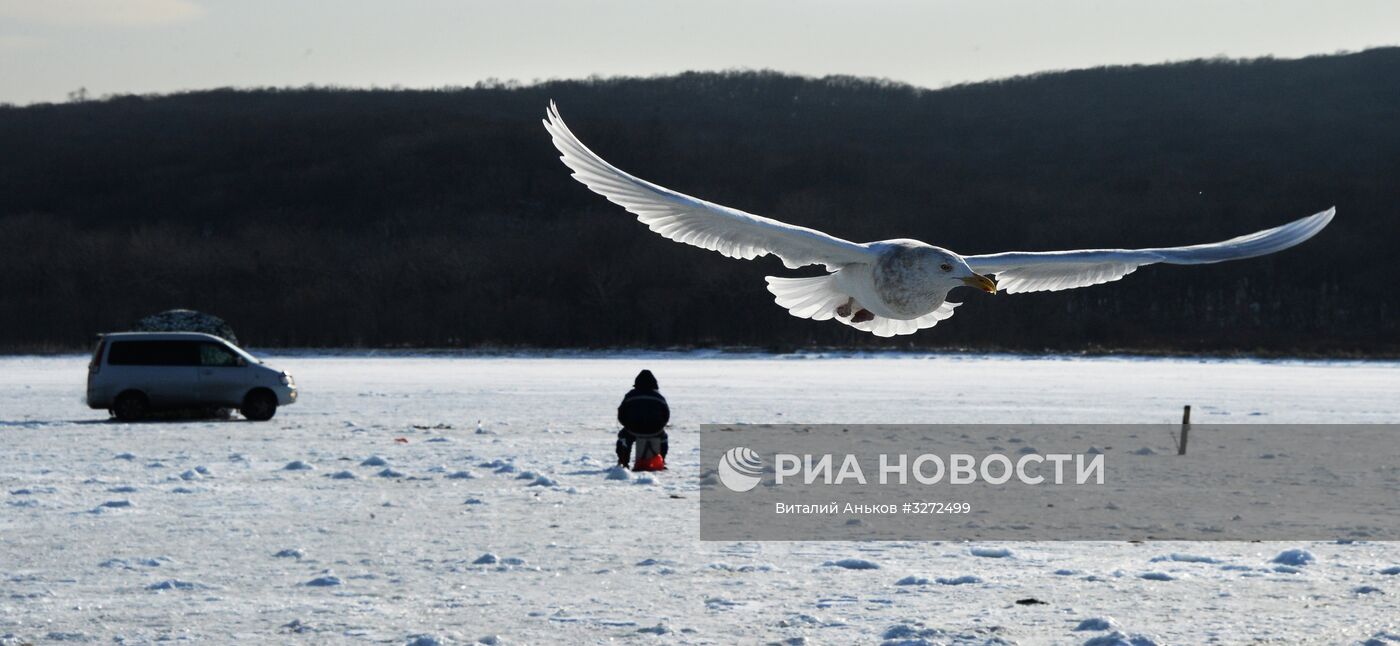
(153, 353)
(213, 354)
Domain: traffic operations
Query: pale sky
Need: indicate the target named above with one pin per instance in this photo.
(49, 48)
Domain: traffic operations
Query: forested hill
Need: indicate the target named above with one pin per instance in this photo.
(388, 218)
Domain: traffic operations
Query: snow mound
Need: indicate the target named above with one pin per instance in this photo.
(290, 553)
(1382, 639)
(1295, 557)
(117, 504)
(175, 584)
(960, 580)
(1118, 638)
(1156, 576)
(1096, 624)
(907, 635)
(658, 629)
(853, 564)
(1392, 570)
(1367, 589)
(748, 567)
(486, 559)
(298, 465)
(424, 640)
(991, 552)
(325, 581)
(543, 481)
(342, 475)
(124, 456)
(388, 472)
(644, 480)
(374, 461)
(618, 472)
(1143, 451)
(461, 475)
(1185, 558)
(912, 580)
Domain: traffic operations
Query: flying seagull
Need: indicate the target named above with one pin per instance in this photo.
(890, 287)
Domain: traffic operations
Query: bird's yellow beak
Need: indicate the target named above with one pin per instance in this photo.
(981, 282)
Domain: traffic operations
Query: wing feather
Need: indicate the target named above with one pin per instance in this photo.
(1037, 271)
(693, 221)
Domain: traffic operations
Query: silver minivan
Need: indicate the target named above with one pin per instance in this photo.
(133, 374)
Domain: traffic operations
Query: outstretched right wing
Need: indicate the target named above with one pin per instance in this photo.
(693, 221)
(1041, 271)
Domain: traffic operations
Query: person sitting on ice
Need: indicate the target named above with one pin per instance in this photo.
(643, 415)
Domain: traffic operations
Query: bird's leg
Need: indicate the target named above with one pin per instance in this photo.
(853, 310)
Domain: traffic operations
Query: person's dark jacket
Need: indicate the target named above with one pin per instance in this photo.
(643, 410)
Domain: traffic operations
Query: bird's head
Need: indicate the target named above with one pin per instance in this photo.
(912, 265)
(952, 270)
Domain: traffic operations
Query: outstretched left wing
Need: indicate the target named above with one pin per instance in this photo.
(693, 221)
(1042, 271)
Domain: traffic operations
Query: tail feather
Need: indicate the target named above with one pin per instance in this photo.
(881, 326)
(818, 298)
(813, 298)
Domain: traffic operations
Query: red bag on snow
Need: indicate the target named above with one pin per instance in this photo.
(654, 462)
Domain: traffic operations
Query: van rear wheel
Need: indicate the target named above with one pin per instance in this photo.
(259, 406)
(131, 406)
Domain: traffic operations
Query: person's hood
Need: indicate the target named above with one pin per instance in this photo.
(645, 381)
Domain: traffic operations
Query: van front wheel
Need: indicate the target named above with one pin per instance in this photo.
(259, 406)
(130, 406)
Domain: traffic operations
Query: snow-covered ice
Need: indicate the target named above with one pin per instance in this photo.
(584, 559)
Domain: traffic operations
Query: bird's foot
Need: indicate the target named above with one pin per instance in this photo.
(845, 310)
(862, 316)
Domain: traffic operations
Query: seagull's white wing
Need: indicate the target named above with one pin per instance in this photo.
(1039, 271)
(683, 218)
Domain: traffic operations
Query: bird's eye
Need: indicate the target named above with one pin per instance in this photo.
(946, 267)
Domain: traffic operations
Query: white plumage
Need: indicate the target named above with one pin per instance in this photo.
(890, 287)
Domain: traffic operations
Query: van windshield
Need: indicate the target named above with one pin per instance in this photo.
(242, 353)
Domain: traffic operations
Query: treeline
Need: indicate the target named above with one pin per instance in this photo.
(331, 217)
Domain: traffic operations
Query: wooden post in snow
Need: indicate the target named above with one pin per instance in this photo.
(1185, 429)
